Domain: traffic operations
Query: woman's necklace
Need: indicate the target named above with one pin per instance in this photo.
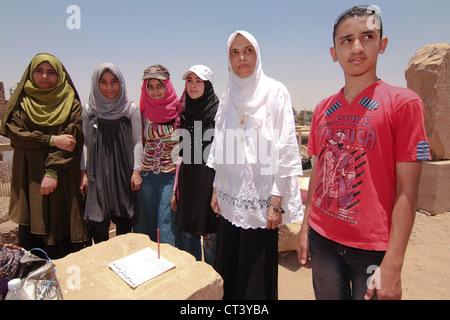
(243, 122)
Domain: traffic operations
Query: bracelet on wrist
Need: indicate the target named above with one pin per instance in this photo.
(277, 208)
(51, 174)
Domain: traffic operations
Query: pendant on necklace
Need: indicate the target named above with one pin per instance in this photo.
(242, 123)
(242, 120)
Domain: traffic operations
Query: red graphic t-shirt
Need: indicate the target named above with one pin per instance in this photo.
(358, 145)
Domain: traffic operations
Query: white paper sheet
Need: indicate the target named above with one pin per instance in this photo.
(140, 267)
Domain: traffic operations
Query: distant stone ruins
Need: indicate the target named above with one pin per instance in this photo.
(428, 74)
(2, 100)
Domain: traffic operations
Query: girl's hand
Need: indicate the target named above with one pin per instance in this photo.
(48, 185)
(65, 142)
(136, 181)
(215, 203)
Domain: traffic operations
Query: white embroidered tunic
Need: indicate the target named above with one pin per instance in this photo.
(256, 156)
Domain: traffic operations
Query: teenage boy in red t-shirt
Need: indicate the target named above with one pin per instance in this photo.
(367, 143)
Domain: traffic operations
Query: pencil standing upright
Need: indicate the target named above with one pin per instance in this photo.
(159, 251)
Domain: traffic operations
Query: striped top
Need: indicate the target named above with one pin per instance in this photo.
(161, 144)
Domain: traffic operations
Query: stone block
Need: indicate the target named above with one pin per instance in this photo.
(434, 188)
(428, 74)
(288, 233)
(288, 236)
(85, 275)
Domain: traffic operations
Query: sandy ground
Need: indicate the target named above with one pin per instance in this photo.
(424, 276)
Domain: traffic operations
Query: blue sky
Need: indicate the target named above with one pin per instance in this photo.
(294, 38)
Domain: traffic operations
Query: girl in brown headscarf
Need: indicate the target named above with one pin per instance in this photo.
(43, 121)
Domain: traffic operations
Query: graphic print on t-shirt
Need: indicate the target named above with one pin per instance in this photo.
(342, 173)
(346, 141)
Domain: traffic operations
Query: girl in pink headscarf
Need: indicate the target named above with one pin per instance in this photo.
(160, 111)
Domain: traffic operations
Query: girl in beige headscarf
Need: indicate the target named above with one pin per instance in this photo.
(43, 121)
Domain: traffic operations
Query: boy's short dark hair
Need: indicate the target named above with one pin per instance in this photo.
(358, 11)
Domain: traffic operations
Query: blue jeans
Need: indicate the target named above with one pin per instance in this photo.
(154, 210)
(340, 272)
(192, 244)
(210, 248)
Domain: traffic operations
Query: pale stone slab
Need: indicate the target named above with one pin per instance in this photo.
(85, 275)
(434, 188)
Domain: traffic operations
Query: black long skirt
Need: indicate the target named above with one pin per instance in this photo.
(247, 260)
(194, 213)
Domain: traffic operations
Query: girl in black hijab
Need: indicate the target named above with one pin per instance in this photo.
(193, 187)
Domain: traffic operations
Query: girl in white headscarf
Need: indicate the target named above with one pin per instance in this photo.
(257, 161)
(113, 151)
